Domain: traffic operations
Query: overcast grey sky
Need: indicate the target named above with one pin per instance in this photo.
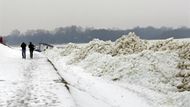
(49, 14)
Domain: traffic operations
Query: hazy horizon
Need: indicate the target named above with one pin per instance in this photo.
(121, 14)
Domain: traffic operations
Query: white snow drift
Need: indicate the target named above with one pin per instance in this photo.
(148, 68)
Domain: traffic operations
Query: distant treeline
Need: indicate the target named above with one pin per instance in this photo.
(77, 34)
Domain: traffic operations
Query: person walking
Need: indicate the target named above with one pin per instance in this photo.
(31, 49)
(23, 46)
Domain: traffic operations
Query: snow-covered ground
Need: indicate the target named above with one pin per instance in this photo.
(30, 83)
(35, 83)
(148, 69)
(129, 72)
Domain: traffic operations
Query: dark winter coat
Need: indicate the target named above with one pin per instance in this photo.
(31, 47)
(23, 46)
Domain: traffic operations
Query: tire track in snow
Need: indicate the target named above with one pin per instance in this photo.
(62, 79)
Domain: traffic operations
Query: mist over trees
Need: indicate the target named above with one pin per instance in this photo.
(77, 34)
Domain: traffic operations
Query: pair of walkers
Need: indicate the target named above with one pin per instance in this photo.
(31, 49)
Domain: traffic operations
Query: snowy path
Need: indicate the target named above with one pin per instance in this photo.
(31, 83)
